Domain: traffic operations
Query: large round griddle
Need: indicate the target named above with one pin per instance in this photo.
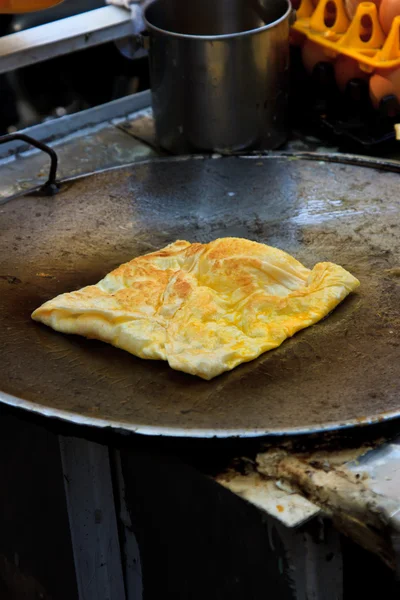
(342, 371)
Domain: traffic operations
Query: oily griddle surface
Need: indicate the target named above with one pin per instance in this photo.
(343, 370)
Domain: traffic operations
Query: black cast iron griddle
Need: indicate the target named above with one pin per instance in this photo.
(342, 371)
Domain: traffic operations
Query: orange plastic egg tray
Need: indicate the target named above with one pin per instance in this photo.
(361, 38)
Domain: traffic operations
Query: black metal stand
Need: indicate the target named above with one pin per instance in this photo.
(51, 187)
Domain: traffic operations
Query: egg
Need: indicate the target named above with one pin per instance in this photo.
(384, 84)
(204, 308)
(312, 54)
(296, 38)
(388, 10)
(346, 68)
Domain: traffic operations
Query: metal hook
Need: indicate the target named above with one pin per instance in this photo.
(51, 187)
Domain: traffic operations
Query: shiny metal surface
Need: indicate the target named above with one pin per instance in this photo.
(219, 73)
(60, 36)
(340, 372)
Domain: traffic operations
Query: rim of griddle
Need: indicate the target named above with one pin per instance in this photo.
(77, 419)
(356, 160)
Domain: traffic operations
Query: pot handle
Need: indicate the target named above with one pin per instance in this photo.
(143, 40)
(292, 17)
(133, 46)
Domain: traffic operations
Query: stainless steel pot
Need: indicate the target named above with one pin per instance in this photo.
(219, 71)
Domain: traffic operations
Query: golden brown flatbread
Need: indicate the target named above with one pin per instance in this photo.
(205, 308)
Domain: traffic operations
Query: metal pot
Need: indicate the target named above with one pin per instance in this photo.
(219, 73)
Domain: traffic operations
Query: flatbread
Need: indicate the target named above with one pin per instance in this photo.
(205, 308)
